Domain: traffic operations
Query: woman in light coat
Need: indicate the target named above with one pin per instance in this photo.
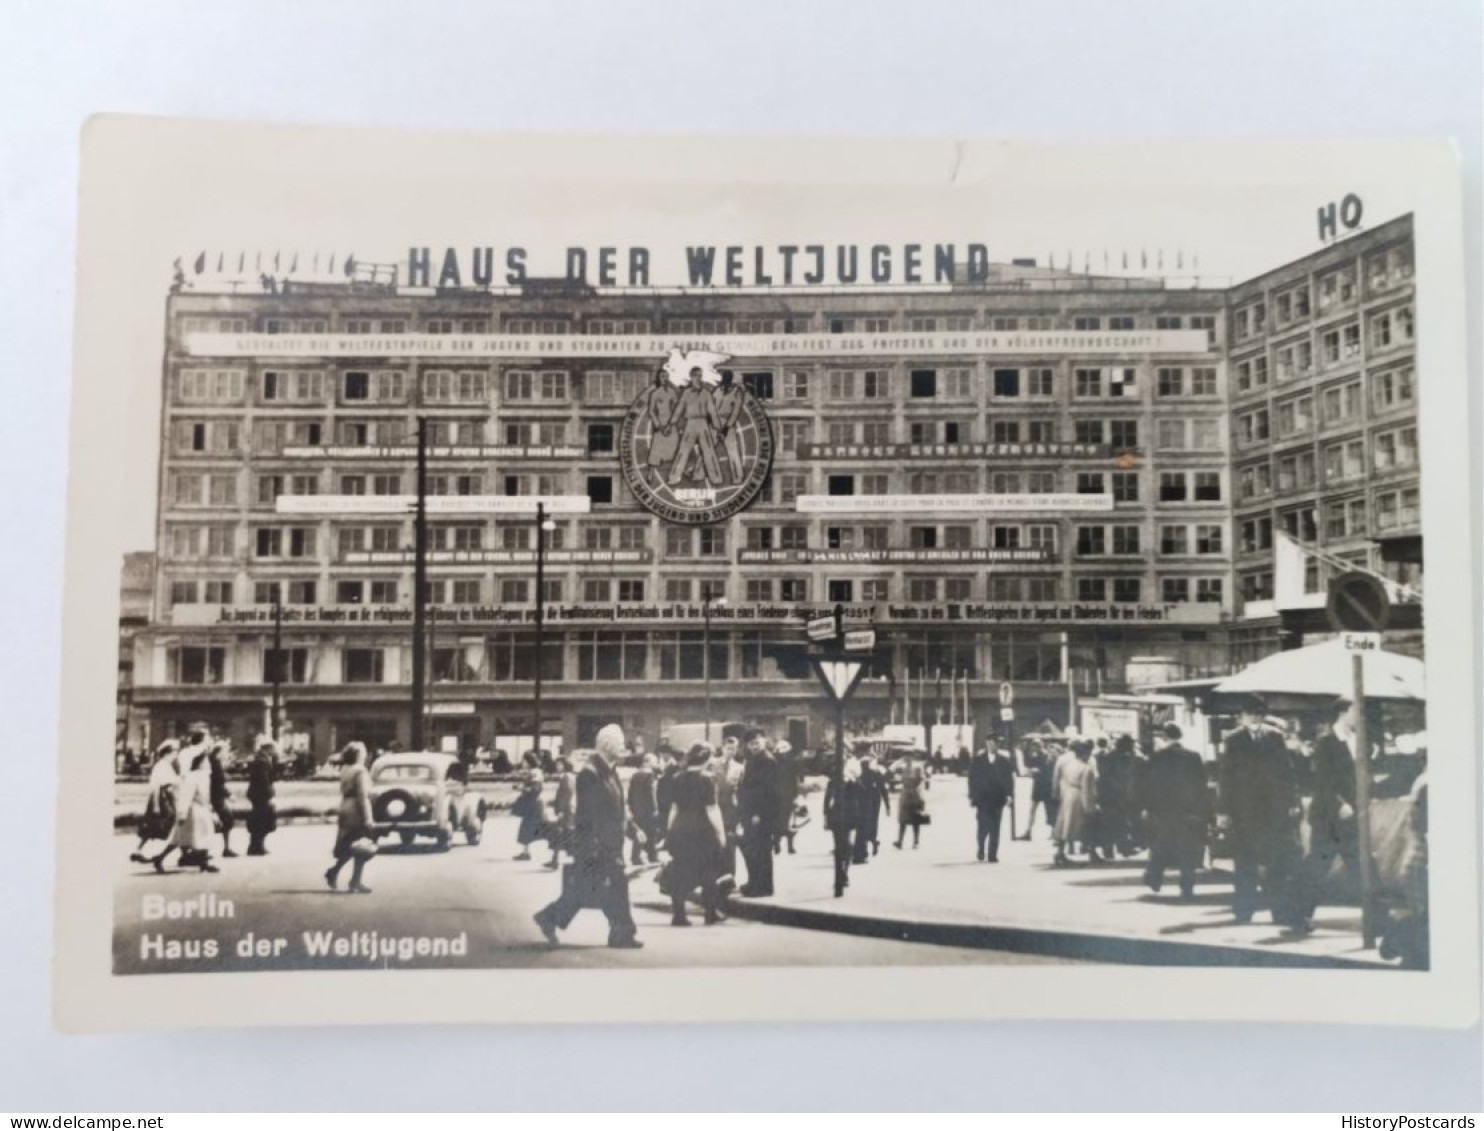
(354, 823)
(195, 828)
(1074, 789)
(158, 822)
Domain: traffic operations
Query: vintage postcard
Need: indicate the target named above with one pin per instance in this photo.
(673, 579)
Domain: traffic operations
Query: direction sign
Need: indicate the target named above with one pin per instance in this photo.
(821, 628)
(1358, 603)
(860, 640)
(838, 676)
(1007, 694)
(1361, 641)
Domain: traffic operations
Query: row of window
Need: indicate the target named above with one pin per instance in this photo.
(1343, 519)
(1035, 588)
(474, 386)
(1383, 271)
(795, 323)
(1345, 461)
(220, 489)
(1391, 329)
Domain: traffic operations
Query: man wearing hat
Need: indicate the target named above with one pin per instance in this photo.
(1259, 795)
(596, 876)
(1331, 817)
(1178, 804)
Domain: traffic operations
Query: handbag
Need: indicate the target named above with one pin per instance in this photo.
(364, 848)
(923, 818)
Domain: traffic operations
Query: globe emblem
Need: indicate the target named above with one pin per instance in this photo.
(695, 446)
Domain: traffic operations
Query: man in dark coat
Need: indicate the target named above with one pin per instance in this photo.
(1259, 796)
(596, 876)
(790, 771)
(842, 814)
(1178, 804)
(1331, 817)
(759, 801)
(875, 794)
(220, 796)
(262, 819)
(991, 781)
(645, 832)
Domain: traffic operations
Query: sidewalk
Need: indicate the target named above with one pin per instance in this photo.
(939, 893)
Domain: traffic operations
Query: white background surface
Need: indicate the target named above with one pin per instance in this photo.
(1070, 70)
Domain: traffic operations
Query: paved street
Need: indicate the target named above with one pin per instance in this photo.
(478, 893)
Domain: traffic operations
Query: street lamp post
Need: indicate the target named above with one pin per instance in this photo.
(706, 607)
(419, 587)
(543, 525)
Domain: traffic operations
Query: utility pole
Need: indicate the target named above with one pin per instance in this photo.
(277, 666)
(419, 586)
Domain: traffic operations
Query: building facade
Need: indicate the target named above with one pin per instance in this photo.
(1032, 480)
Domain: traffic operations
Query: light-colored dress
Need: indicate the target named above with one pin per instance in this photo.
(1074, 788)
(195, 826)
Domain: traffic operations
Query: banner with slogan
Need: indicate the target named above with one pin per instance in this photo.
(536, 347)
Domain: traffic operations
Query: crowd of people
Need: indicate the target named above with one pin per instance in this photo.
(188, 803)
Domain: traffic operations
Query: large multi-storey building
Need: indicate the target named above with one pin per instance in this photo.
(1027, 479)
(1323, 382)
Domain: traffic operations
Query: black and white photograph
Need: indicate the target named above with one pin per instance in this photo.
(729, 556)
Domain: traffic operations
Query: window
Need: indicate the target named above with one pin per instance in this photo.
(350, 592)
(759, 385)
(1087, 383)
(713, 541)
(1123, 382)
(183, 592)
(1169, 382)
(677, 589)
(839, 589)
(679, 542)
(1040, 382)
(1125, 486)
(1392, 389)
(874, 384)
(197, 665)
(1087, 431)
(1126, 540)
(1257, 535)
(922, 590)
(210, 386)
(1208, 538)
(1174, 541)
(796, 385)
(1002, 588)
(1089, 483)
(600, 438)
(841, 485)
(843, 537)
(924, 383)
(958, 384)
(1172, 487)
(1124, 434)
(1091, 541)
(1087, 322)
(1127, 589)
(600, 489)
(364, 665)
(957, 588)
(1209, 590)
(796, 537)
(1040, 482)
(793, 434)
(1006, 382)
(1395, 450)
(794, 589)
(1121, 322)
(1203, 381)
(1092, 589)
(1174, 590)
(1207, 486)
(1005, 431)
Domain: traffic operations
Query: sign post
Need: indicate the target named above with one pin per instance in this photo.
(839, 672)
(1359, 608)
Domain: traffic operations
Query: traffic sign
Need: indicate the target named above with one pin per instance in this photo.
(1361, 641)
(1358, 603)
(838, 676)
(1007, 714)
(821, 628)
(1007, 694)
(860, 640)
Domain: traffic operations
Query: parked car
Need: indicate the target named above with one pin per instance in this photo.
(415, 795)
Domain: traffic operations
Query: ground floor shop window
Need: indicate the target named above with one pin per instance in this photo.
(512, 658)
(197, 665)
(761, 657)
(611, 655)
(682, 656)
